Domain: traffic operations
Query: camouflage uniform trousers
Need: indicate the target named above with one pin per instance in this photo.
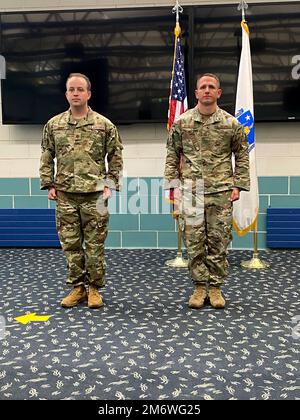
(78, 222)
(207, 240)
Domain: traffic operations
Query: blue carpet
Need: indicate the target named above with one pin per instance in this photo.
(145, 343)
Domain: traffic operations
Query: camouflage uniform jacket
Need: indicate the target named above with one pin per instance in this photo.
(202, 149)
(80, 149)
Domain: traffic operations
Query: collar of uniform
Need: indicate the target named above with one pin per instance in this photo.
(88, 120)
(215, 117)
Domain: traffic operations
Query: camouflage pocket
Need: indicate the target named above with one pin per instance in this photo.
(92, 141)
(225, 136)
(64, 143)
(190, 140)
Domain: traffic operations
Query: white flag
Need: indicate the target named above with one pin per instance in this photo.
(245, 210)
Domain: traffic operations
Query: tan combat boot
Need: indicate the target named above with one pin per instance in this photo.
(78, 294)
(94, 298)
(198, 297)
(217, 301)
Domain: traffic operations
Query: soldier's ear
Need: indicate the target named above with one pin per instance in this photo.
(219, 93)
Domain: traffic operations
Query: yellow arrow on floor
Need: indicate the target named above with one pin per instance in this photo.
(24, 319)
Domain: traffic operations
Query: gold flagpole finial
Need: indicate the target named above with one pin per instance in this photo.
(243, 6)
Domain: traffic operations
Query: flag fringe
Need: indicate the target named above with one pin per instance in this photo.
(242, 232)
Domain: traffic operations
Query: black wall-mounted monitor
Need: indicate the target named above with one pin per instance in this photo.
(128, 55)
(275, 52)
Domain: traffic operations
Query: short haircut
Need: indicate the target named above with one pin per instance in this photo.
(83, 76)
(214, 76)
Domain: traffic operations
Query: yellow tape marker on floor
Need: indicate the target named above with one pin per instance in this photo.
(24, 319)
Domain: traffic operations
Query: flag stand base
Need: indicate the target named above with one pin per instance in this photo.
(177, 262)
(255, 263)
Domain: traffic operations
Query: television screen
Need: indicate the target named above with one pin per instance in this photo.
(128, 55)
(275, 51)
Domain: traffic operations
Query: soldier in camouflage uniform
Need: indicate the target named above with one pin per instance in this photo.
(199, 152)
(80, 140)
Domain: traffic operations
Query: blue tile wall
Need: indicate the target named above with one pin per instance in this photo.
(6, 202)
(140, 213)
(14, 186)
(33, 202)
(159, 222)
(113, 240)
(140, 239)
(273, 184)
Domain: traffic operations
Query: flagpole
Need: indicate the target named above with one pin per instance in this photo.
(179, 261)
(255, 262)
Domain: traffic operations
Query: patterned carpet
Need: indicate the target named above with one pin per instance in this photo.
(145, 343)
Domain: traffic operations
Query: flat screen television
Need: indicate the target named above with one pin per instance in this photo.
(275, 45)
(128, 55)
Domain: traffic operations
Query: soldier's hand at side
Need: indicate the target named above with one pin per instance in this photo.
(106, 193)
(52, 193)
(235, 194)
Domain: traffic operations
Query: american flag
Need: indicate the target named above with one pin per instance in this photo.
(178, 99)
